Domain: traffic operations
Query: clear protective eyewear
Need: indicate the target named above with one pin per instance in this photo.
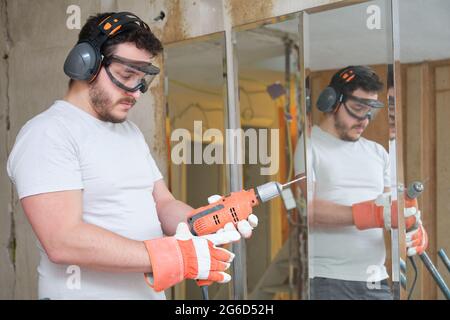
(130, 75)
(361, 108)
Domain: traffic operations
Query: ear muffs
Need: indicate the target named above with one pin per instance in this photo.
(328, 99)
(84, 61)
(331, 96)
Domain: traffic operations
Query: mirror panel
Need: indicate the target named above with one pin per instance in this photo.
(268, 55)
(349, 156)
(196, 100)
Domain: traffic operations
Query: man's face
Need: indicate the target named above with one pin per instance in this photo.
(347, 127)
(110, 102)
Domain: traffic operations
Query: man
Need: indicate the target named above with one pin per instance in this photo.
(90, 187)
(351, 203)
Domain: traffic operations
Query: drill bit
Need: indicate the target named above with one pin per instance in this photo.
(291, 182)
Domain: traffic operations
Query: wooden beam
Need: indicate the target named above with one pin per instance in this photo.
(411, 142)
(428, 172)
(442, 208)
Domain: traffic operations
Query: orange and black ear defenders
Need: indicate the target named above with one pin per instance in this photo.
(332, 95)
(85, 59)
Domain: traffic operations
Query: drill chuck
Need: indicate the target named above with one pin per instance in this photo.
(414, 189)
(268, 191)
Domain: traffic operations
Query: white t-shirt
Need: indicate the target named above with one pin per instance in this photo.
(65, 148)
(345, 173)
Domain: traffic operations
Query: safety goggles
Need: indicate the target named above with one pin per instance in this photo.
(130, 75)
(361, 108)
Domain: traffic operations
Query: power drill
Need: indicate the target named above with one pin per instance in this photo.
(233, 208)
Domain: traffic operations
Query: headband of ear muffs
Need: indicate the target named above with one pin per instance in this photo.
(332, 96)
(84, 60)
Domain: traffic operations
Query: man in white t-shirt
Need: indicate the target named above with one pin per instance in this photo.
(352, 205)
(91, 189)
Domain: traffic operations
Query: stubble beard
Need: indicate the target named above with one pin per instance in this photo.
(343, 130)
(103, 105)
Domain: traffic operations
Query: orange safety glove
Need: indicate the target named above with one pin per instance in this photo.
(382, 213)
(416, 240)
(185, 256)
(411, 213)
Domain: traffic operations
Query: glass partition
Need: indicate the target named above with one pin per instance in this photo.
(196, 100)
(321, 97)
(350, 152)
(268, 56)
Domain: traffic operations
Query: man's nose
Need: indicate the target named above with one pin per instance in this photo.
(136, 94)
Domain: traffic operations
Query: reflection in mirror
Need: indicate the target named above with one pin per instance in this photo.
(423, 97)
(348, 156)
(195, 127)
(268, 81)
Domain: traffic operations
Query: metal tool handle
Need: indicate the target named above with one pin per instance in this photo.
(435, 274)
(444, 258)
(414, 190)
(205, 294)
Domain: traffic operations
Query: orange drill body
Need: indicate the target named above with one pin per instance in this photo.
(233, 208)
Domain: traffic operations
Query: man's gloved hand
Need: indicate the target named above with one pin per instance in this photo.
(416, 240)
(382, 212)
(412, 213)
(245, 227)
(416, 235)
(185, 256)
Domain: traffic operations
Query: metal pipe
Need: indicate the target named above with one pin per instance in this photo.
(435, 274)
(288, 43)
(239, 278)
(303, 121)
(444, 259)
(205, 293)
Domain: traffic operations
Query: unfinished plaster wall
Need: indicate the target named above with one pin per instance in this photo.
(192, 18)
(6, 219)
(35, 41)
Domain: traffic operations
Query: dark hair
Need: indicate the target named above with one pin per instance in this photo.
(390, 76)
(143, 38)
(365, 79)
